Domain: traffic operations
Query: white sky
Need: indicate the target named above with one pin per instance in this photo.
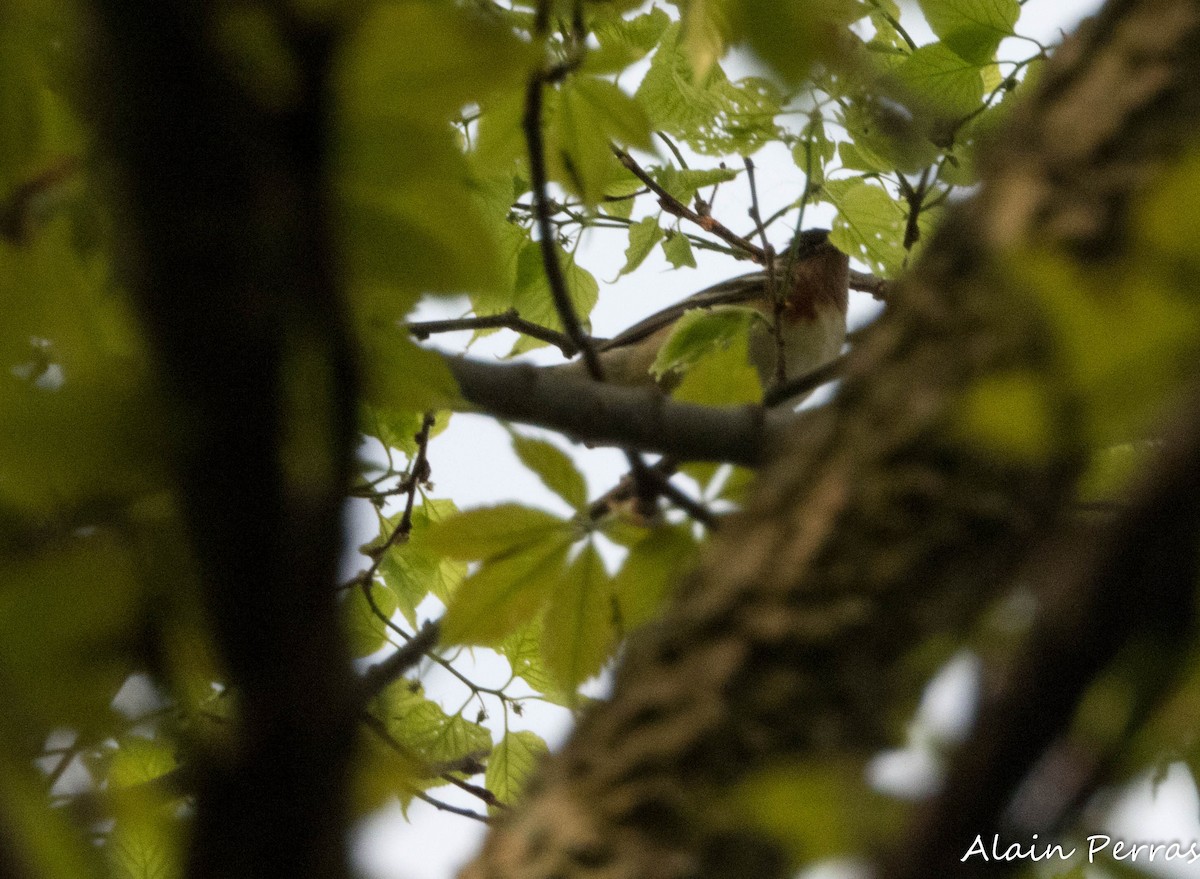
(473, 463)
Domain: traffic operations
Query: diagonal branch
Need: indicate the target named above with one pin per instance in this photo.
(674, 206)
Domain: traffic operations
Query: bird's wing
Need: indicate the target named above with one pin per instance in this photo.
(729, 292)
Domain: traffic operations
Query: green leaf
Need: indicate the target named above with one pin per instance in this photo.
(405, 232)
(428, 60)
(85, 595)
(621, 41)
(707, 111)
(643, 235)
(138, 760)
(399, 376)
(145, 844)
(940, 83)
(698, 332)
(554, 467)
(653, 566)
(722, 377)
(412, 569)
(684, 183)
(678, 250)
(532, 297)
(512, 762)
(885, 138)
(972, 28)
(421, 727)
(500, 141)
(578, 631)
(523, 650)
(869, 225)
(707, 28)
(489, 532)
(505, 593)
(366, 632)
(789, 36)
(583, 116)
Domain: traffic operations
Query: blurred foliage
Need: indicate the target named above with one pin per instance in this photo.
(431, 182)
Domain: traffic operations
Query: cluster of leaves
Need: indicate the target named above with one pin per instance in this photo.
(432, 182)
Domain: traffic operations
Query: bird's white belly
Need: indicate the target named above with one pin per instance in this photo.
(808, 345)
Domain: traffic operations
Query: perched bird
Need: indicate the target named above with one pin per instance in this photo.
(813, 317)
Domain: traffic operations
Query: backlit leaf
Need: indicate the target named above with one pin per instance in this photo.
(578, 632)
(643, 585)
(505, 593)
(553, 467)
(491, 531)
(512, 762)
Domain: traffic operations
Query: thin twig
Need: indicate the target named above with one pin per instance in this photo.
(694, 508)
(778, 303)
(379, 676)
(563, 306)
(475, 790)
(672, 205)
(675, 151)
(507, 320)
(446, 807)
(803, 384)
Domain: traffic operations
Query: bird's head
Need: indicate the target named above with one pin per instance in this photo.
(820, 274)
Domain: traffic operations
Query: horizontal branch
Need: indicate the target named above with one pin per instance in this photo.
(506, 320)
(610, 415)
(865, 282)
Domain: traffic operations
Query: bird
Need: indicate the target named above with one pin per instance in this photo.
(812, 318)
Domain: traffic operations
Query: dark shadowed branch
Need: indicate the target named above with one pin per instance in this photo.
(234, 279)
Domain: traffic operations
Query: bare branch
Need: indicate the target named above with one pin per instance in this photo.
(508, 320)
(608, 415)
(674, 206)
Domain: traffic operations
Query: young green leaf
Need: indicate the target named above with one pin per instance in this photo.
(512, 762)
(698, 332)
(722, 377)
(869, 225)
(523, 650)
(973, 29)
(412, 569)
(505, 593)
(532, 298)
(643, 585)
(584, 115)
(578, 631)
(643, 235)
(678, 250)
(705, 110)
(553, 467)
(489, 532)
(366, 631)
(421, 727)
(941, 84)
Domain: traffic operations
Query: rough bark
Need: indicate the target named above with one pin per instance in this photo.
(791, 639)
